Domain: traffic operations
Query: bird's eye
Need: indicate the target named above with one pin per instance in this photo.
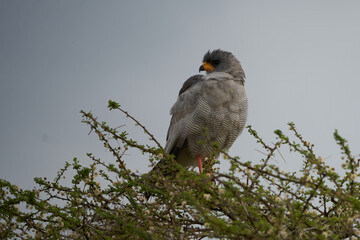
(216, 62)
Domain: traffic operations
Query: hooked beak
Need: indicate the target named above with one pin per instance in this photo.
(206, 67)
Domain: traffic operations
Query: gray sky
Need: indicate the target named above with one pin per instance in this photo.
(301, 60)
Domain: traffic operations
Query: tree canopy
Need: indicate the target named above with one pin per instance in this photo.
(249, 201)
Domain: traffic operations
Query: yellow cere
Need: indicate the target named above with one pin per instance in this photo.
(208, 66)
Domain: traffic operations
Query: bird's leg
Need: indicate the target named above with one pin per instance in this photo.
(199, 164)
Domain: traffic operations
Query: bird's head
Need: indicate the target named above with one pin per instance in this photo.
(222, 61)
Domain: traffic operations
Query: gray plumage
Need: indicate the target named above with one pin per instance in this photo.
(216, 102)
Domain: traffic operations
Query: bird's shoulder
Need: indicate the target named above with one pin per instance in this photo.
(217, 87)
(191, 81)
(205, 79)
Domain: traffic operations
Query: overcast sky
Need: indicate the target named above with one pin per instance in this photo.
(301, 59)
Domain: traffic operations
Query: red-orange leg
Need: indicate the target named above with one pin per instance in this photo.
(199, 164)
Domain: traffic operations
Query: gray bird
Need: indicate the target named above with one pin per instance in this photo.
(215, 103)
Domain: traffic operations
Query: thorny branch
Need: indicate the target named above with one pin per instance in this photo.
(249, 201)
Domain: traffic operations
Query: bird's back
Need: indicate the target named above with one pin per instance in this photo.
(213, 109)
